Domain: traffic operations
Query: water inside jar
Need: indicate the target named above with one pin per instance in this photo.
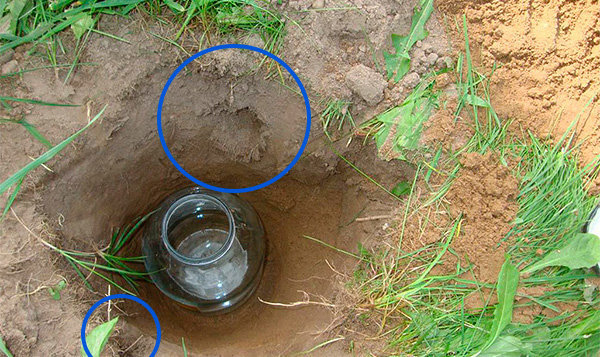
(201, 234)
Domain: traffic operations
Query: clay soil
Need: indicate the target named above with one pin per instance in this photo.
(230, 126)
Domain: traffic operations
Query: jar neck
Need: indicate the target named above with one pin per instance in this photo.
(200, 202)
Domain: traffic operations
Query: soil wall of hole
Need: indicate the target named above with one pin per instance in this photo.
(230, 132)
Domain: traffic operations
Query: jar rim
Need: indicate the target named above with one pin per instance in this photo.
(193, 260)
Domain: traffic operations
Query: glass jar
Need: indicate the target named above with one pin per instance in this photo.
(205, 249)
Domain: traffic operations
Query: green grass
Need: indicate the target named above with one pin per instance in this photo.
(39, 22)
(398, 63)
(108, 261)
(4, 349)
(336, 116)
(17, 178)
(30, 128)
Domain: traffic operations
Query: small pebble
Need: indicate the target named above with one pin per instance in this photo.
(443, 62)
(427, 47)
(10, 67)
(318, 4)
(431, 59)
(366, 83)
(7, 56)
(411, 80)
(419, 55)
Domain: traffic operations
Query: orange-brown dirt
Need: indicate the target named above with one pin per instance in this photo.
(485, 194)
(548, 58)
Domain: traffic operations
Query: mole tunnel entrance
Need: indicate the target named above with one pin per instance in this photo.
(243, 133)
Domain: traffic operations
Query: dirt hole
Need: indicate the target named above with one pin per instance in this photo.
(231, 132)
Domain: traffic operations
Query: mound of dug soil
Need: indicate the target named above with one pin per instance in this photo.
(548, 58)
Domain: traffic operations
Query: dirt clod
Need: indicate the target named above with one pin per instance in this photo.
(318, 4)
(10, 66)
(7, 56)
(366, 83)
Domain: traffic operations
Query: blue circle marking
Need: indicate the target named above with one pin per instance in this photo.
(120, 296)
(244, 47)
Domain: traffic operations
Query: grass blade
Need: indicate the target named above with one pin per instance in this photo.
(121, 241)
(12, 197)
(78, 271)
(4, 349)
(45, 157)
(35, 101)
(36, 134)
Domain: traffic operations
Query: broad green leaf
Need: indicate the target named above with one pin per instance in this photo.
(174, 6)
(582, 251)
(508, 279)
(16, 8)
(4, 349)
(407, 120)
(476, 101)
(402, 188)
(398, 64)
(97, 339)
(506, 346)
(81, 26)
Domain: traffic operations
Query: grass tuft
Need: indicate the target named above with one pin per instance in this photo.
(336, 115)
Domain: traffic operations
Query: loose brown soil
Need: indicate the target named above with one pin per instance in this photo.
(483, 195)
